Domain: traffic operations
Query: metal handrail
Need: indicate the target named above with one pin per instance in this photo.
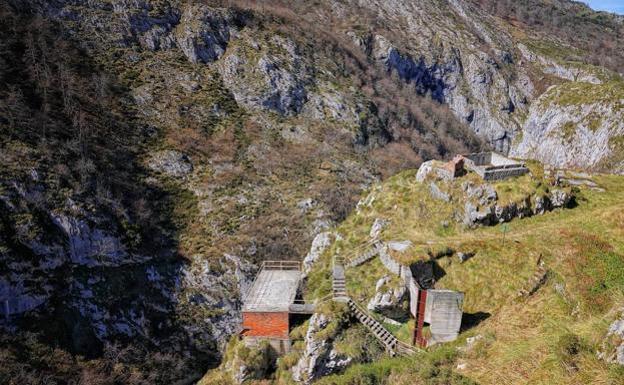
(281, 265)
(272, 265)
(400, 343)
(353, 251)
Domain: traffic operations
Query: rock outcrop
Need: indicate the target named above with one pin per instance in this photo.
(319, 357)
(389, 300)
(612, 349)
(493, 212)
(319, 244)
(274, 78)
(203, 32)
(433, 169)
(576, 125)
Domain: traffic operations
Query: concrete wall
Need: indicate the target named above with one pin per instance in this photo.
(493, 166)
(413, 292)
(266, 324)
(389, 262)
(443, 312)
(503, 173)
(499, 160)
(279, 345)
(480, 159)
(443, 308)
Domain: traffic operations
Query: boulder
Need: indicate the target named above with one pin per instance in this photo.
(306, 205)
(389, 301)
(463, 257)
(399, 246)
(612, 349)
(433, 168)
(560, 198)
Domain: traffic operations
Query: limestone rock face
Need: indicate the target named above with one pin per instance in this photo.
(273, 79)
(567, 129)
(203, 32)
(468, 81)
(210, 287)
(319, 358)
(389, 301)
(319, 244)
(88, 245)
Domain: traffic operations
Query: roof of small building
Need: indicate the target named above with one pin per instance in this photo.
(272, 291)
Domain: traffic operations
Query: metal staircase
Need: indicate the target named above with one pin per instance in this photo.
(368, 255)
(390, 342)
(339, 283)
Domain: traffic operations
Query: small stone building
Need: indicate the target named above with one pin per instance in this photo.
(271, 303)
(493, 166)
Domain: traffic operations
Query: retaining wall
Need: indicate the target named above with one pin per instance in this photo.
(493, 166)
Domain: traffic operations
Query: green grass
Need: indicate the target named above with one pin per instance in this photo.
(569, 131)
(430, 369)
(579, 93)
(549, 337)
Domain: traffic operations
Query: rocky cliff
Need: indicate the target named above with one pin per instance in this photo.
(155, 151)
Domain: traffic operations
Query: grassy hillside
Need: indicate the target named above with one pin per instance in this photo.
(552, 336)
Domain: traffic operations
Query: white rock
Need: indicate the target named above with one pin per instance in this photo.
(320, 243)
(378, 225)
(399, 246)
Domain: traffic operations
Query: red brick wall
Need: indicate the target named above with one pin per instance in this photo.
(273, 325)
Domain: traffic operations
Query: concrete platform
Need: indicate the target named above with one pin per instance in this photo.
(272, 291)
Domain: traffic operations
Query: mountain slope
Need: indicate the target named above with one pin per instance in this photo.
(155, 151)
(142, 179)
(492, 64)
(560, 328)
